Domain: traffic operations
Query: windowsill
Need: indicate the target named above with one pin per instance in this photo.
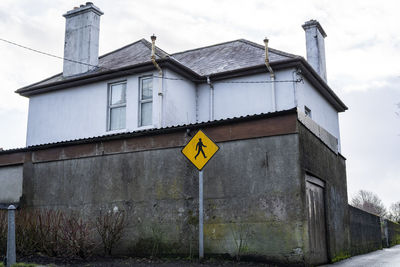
(117, 131)
(140, 128)
(145, 127)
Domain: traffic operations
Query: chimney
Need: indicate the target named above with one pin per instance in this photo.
(315, 46)
(81, 39)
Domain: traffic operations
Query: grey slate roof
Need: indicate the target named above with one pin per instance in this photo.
(233, 55)
(228, 56)
(129, 55)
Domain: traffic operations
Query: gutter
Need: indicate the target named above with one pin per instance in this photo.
(211, 99)
(160, 80)
(272, 76)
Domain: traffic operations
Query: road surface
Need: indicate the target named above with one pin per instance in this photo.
(387, 257)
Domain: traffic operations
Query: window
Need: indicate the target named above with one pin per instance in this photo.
(307, 111)
(116, 106)
(145, 101)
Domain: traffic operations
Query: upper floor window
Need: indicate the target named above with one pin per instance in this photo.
(116, 106)
(145, 101)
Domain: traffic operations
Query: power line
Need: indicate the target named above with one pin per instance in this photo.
(155, 76)
(48, 54)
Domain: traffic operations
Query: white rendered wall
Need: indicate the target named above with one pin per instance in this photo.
(81, 112)
(322, 112)
(179, 105)
(241, 99)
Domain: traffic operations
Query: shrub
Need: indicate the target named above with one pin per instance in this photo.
(3, 232)
(50, 225)
(110, 226)
(76, 235)
(26, 232)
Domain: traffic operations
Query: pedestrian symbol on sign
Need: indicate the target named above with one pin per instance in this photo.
(199, 147)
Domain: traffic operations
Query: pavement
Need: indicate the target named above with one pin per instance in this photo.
(387, 257)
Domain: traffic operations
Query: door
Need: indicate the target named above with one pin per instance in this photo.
(316, 220)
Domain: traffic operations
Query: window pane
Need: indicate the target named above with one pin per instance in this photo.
(147, 88)
(118, 93)
(146, 113)
(117, 118)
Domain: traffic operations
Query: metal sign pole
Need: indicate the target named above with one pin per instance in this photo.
(201, 238)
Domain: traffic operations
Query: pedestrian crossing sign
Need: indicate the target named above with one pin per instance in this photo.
(200, 150)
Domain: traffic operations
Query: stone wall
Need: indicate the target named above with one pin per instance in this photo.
(365, 231)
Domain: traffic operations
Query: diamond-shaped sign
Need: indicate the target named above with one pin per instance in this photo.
(200, 150)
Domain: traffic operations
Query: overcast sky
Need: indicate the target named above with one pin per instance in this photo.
(362, 52)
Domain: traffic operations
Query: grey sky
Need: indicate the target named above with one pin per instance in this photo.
(362, 50)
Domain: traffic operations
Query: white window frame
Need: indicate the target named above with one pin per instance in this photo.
(110, 106)
(143, 101)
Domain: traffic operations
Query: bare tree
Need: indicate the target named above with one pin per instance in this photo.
(369, 202)
(394, 213)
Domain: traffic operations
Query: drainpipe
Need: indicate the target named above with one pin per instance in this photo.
(160, 79)
(272, 75)
(211, 100)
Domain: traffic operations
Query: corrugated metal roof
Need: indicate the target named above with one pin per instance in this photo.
(149, 131)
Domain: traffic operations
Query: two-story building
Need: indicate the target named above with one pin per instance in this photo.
(108, 131)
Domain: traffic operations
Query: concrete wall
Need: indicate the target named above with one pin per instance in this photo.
(365, 231)
(253, 188)
(10, 184)
(390, 233)
(243, 191)
(320, 161)
(159, 188)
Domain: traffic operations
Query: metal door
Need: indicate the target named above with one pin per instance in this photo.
(316, 220)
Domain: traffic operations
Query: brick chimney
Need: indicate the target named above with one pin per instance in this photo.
(315, 45)
(81, 39)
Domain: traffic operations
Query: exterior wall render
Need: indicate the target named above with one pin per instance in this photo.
(241, 99)
(179, 100)
(81, 112)
(322, 111)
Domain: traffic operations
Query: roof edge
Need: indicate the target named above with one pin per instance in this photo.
(153, 131)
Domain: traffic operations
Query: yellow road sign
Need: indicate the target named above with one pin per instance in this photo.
(200, 150)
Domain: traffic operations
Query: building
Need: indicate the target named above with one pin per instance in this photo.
(122, 92)
(108, 131)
